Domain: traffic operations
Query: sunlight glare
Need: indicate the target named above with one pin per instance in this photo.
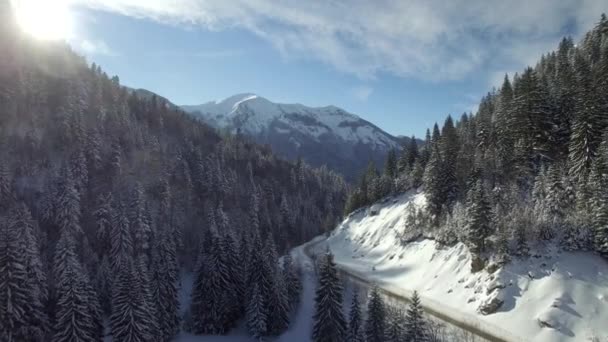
(44, 19)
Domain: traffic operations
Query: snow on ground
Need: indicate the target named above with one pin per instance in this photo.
(552, 297)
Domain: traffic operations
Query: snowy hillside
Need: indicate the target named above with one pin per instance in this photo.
(554, 296)
(324, 135)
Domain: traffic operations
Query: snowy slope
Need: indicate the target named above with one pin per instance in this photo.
(566, 291)
(324, 135)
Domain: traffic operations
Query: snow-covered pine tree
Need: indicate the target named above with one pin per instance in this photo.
(415, 324)
(257, 317)
(165, 287)
(233, 278)
(120, 240)
(208, 303)
(5, 187)
(599, 181)
(104, 216)
(522, 248)
(78, 317)
(21, 315)
(329, 324)
(433, 185)
(478, 219)
(140, 228)
(375, 324)
(67, 211)
(278, 317)
(355, 331)
(291, 275)
(588, 120)
(390, 166)
(394, 328)
(130, 322)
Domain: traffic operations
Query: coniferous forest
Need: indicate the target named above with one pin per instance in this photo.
(109, 199)
(105, 197)
(529, 168)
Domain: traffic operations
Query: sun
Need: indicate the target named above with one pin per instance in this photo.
(44, 19)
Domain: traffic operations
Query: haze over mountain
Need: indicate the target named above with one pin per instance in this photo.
(321, 136)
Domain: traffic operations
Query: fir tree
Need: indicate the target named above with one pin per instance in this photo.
(20, 318)
(129, 320)
(329, 324)
(354, 333)
(478, 218)
(257, 318)
(78, 317)
(375, 325)
(415, 325)
(291, 276)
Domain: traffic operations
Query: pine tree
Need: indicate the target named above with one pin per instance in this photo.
(375, 325)
(209, 295)
(141, 230)
(166, 287)
(257, 318)
(279, 305)
(120, 240)
(354, 333)
(329, 324)
(78, 317)
(415, 325)
(599, 205)
(291, 276)
(390, 167)
(588, 121)
(433, 185)
(478, 219)
(129, 320)
(522, 248)
(21, 220)
(18, 300)
(68, 208)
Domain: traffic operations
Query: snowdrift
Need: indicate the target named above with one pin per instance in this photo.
(553, 296)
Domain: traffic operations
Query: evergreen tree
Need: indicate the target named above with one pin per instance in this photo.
(20, 314)
(78, 317)
(390, 167)
(433, 185)
(329, 324)
(291, 276)
(129, 320)
(354, 333)
(415, 324)
(375, 325)
(257, 318)
(478, 219)
(166, 287)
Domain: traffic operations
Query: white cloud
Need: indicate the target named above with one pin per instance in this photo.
(362, 93)
(430, 40)
(93, 47)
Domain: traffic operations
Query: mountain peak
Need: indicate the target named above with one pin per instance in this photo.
(322, 135)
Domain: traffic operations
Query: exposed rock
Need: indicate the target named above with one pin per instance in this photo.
(477, 264)
(494, 285)
(490, 305)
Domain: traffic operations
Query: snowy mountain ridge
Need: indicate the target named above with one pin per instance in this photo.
(320, 135)
(551, 296)
(253, 114)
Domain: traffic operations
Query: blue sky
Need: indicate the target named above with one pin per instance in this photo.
(400, 64)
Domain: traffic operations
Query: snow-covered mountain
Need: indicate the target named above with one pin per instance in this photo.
(324, 135)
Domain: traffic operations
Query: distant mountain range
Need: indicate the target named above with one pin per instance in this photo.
(321, 136)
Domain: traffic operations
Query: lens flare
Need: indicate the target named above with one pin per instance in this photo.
(44, 19)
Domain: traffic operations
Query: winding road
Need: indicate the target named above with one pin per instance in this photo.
(307, 252)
